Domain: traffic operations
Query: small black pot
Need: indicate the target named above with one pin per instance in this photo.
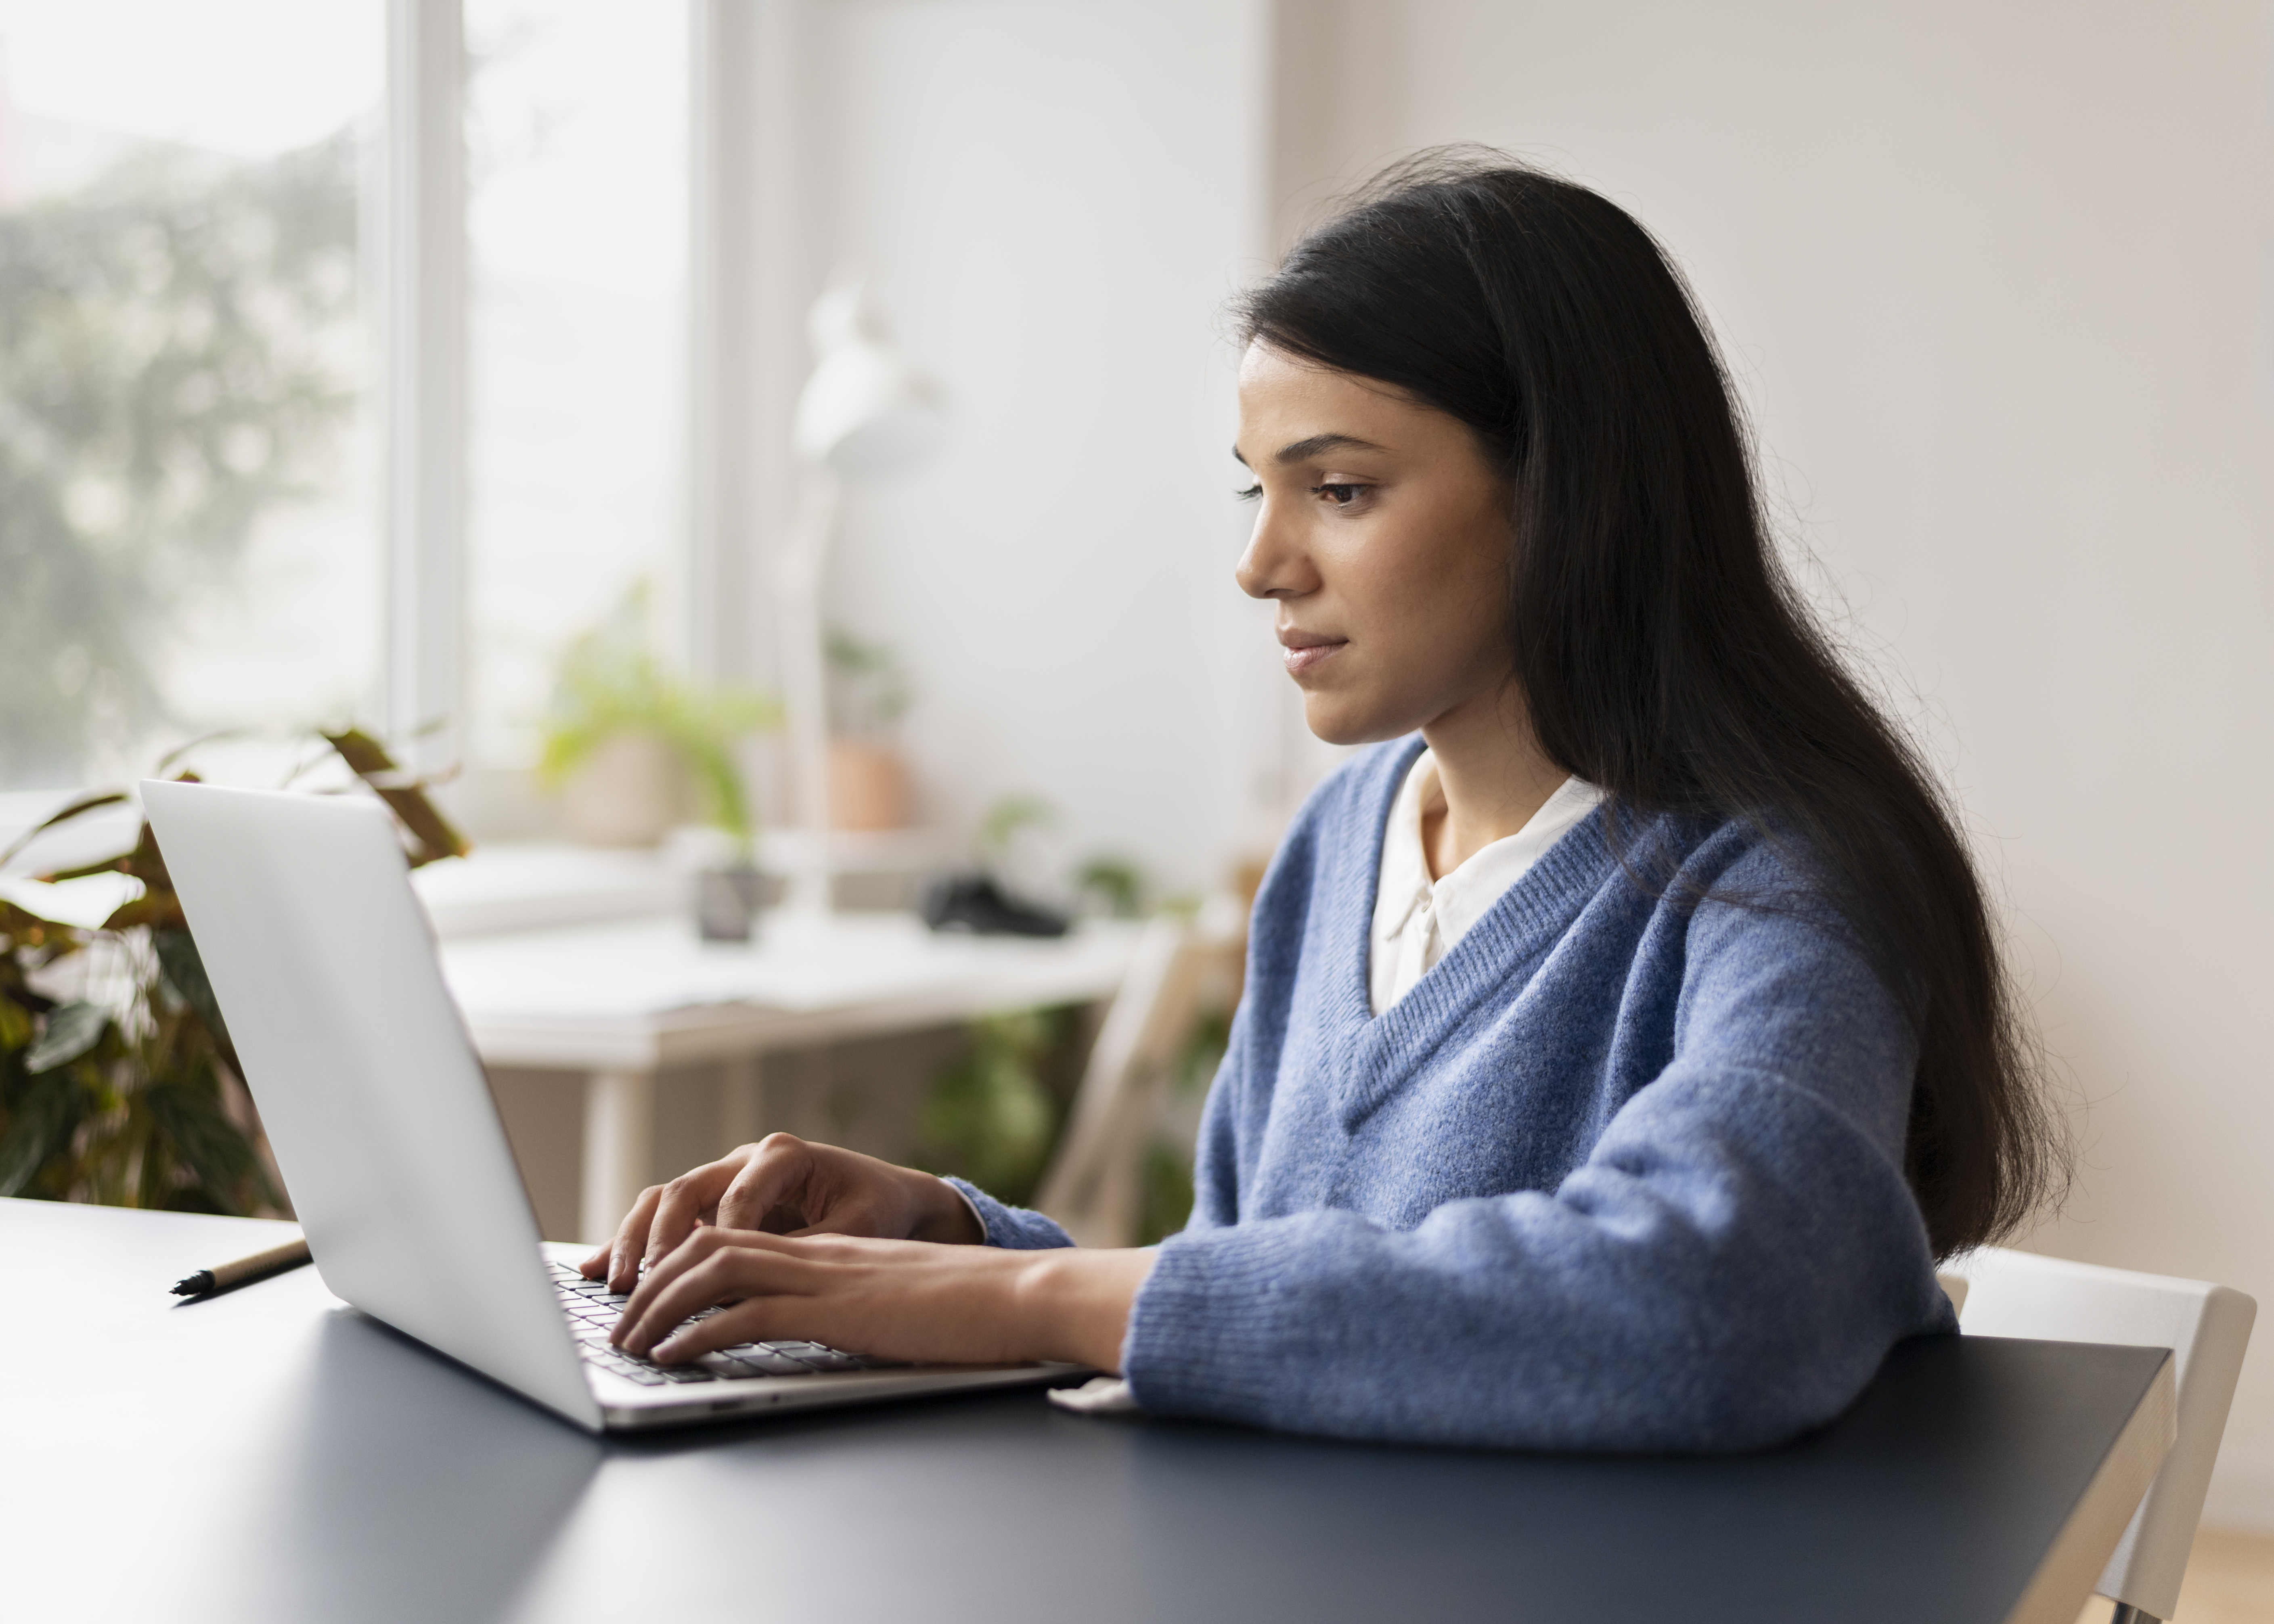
(728, 901)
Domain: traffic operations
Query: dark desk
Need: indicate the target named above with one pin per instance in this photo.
(272, 1455)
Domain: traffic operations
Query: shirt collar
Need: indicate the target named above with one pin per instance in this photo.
(1465, 896)
(1404, 883)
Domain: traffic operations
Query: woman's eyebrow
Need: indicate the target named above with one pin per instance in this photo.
(1304, 450)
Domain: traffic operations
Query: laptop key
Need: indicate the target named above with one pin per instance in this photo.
(774, 1363)
(828, 1360)
(728, 1370)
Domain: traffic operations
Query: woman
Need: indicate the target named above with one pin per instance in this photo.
(1623, 1036)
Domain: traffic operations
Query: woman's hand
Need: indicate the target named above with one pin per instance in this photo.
(896, 1299)
(783, 1185)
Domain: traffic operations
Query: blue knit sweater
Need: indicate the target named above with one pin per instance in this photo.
(1618, 1173)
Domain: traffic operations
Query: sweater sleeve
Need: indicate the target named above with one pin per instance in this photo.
(1727, 1269)
(1019, 1229)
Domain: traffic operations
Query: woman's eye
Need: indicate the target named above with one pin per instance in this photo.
(1340, 495)
(1251, 493)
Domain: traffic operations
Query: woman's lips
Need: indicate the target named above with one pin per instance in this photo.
(1301, 658)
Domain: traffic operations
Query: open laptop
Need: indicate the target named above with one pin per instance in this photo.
(382, 1124)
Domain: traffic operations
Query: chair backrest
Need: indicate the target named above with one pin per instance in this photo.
(2206, 1326)
(1093, 1187)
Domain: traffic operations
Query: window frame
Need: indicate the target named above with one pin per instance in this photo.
(735, 448)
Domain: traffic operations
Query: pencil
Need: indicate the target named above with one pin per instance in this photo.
(275, 1260)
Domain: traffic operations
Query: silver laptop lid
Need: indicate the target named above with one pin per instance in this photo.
(373, 1100)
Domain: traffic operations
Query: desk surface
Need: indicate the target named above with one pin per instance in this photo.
(642, 994)
(272, 1455)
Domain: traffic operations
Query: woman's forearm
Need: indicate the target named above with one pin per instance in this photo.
(1073, 1303)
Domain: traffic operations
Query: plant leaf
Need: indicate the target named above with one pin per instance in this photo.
(23, 927)
(214, 1149)
(186, 973)
(160, 909)
(15, 1024)
(108, 865)
(180, 750)
(85, 803)
(39, 1129)
(371, 763)
(73, 1029)
(1007, 816)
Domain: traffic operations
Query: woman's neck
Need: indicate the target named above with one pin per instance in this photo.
(1492, 776)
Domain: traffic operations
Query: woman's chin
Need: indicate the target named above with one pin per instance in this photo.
(1334, 720)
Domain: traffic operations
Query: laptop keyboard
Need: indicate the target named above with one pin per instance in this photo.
(593, 1311)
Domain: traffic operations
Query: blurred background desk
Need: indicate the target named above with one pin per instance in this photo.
(620, 1001)
(270, 1454)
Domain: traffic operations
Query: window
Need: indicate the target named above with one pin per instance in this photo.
(576, 219)
(304, 418)
(188, 535)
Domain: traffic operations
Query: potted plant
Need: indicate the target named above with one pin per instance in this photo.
(119, 1083)
(625, 736)
(868, 693)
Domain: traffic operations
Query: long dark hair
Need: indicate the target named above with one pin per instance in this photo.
(1661, 652)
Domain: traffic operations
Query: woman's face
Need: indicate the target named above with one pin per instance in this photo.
(1383, 536)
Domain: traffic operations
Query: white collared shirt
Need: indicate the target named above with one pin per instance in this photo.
(1416, 921)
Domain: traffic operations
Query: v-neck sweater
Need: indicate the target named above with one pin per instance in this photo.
(1419, 917)
(1623, 1171)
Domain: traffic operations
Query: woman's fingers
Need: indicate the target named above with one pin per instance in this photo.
(621, 1257)
(896, 1299)
(685, 1201)
(710, 1267)
(761, 1319)
(783, 1183)
(658, 1221)
(775, 1172)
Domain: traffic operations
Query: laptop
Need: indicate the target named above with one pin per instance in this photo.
(382, 1124)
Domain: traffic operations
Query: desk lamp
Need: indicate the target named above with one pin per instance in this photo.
(863, 416)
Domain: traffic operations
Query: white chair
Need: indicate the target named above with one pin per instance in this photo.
(1093, 1186)
(2004, 1293)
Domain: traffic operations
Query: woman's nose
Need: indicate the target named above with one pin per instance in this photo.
(1274, 566)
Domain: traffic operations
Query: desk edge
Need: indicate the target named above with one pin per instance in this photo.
(2063, 1580)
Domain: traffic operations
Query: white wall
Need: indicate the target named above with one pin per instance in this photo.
(1997, 280)
(1052, 200)
(1997, 284)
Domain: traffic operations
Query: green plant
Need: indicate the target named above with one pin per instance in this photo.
(994, 1114)
(869, 691)
(1117, 882)
(611, 684)
(1166, 1191)
(177, 360)
(136, 1099)
(1165, 1203)
(1002, 824)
